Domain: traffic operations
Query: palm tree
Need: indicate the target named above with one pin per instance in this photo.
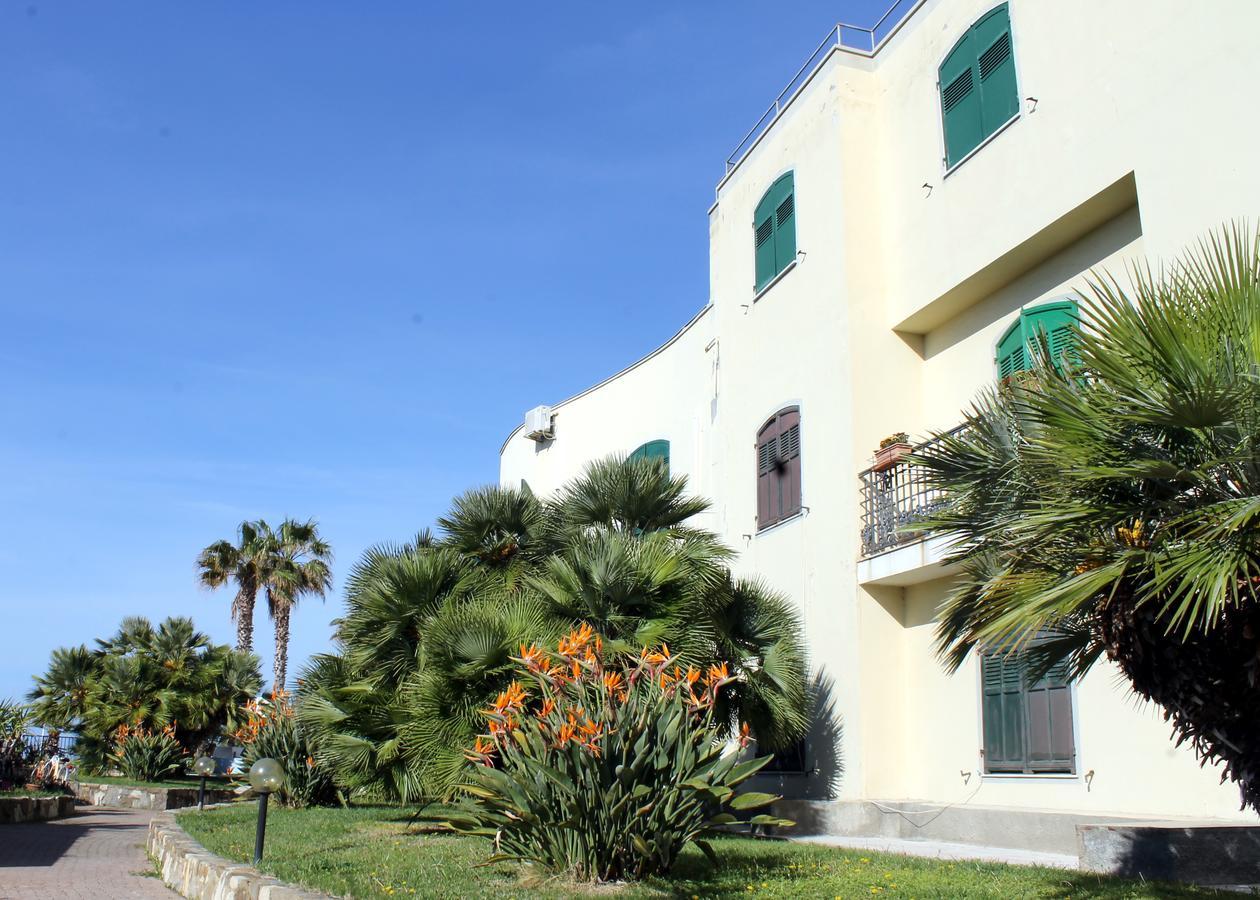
(1114, 504)
(60, 696)
(241, 563)
(430, 630)
(357, 702)
(296, 562)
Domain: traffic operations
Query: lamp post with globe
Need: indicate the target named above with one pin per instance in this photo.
(265, 776)
(203, 766)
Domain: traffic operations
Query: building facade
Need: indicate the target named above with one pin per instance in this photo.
(882, 247)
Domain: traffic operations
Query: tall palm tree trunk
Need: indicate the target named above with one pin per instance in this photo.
(282, 646)
(243, 613)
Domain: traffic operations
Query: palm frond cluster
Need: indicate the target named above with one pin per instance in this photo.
(142, 677)
(1111, 507)
(431, 626)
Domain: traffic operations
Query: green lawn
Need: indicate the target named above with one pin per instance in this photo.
(175, 781)
(370, 852)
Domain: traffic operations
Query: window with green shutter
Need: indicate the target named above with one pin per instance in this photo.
(774, 230)
(977, 84)
(1027, 725)
(1056, 323)
(653, 450)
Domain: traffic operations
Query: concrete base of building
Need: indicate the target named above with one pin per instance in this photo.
(1040, 831)
(946, 850)
(1200, 851)
(1215, 855)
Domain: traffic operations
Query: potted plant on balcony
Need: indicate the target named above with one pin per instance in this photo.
(891, 449)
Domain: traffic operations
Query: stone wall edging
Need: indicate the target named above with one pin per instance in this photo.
(34, 809)
(129, 796)
(195, 873)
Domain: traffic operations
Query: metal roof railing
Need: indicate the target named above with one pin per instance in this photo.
(843, 36)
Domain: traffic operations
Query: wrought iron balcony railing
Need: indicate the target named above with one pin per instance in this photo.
(893, 498)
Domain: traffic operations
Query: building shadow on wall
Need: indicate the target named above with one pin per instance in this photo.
(812, 770)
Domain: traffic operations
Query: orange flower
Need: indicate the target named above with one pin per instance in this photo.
(744, 735)
(481, 751)
(655, 657)
(575, 640)
(716, 674)
(613, 682)
(692, 675)
(533, 658)
(548, 707)
(511, 699)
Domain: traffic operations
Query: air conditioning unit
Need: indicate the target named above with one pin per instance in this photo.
(538, 424)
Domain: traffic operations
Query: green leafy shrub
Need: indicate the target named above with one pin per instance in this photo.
(273, 731)
(604, 769)
(15, 757)
(144, 675)
(145, 755)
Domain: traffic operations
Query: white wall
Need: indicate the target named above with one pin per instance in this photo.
(904, 280)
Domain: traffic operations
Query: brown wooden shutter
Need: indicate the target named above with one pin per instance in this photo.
(779, 468)
(789, 463)
(767, 473)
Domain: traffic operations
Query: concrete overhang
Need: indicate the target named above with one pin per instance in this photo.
(912, 563)
(1102, 207)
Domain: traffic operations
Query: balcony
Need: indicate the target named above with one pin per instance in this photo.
(894, 498)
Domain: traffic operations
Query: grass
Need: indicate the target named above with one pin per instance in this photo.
(175, 781)
(370, 852)
(40, 792)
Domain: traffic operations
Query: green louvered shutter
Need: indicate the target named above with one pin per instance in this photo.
(764, 237)
(774, 230)
(1002, 712)
(977, 84)
(1019, 346)
(960, 100)
(1012, 355)
(785, 231)
(1051, 745)
(653, 450)
(1058, 321)
(995, 69)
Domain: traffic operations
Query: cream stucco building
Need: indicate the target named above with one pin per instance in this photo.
(873, 243)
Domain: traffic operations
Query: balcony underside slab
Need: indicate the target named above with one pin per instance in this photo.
(912, 563)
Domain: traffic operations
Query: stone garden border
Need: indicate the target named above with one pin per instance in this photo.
(194, 872)
(127, 796)
(34, 809)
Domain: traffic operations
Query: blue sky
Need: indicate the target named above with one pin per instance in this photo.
(296, 258)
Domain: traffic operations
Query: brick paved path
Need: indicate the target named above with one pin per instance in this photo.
(94, 855)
